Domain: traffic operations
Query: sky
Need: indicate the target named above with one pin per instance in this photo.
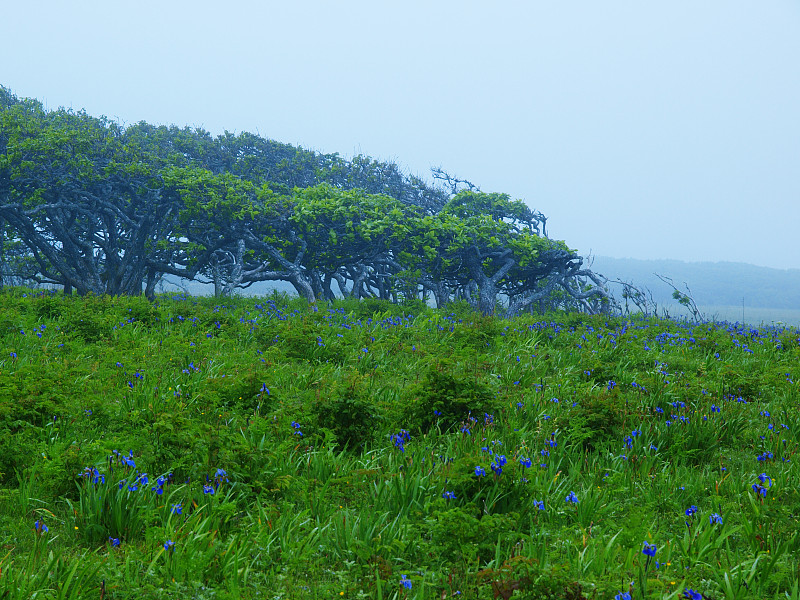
(640, 129)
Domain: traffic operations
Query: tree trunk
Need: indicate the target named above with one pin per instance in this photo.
(487, 297)
(216, 275)
(150, 285)
(302, 284)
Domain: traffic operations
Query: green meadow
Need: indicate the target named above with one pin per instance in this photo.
(267, 448)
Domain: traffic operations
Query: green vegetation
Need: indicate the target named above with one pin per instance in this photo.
(268, 448)
(94, 207)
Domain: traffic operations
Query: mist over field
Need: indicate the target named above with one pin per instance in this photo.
(645, 130)
(722, 290)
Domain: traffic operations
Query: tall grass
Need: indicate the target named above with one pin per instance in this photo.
(259, 448)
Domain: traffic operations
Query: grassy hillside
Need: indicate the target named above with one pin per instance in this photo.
(258, 448)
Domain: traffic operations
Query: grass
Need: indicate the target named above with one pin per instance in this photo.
(263, 448)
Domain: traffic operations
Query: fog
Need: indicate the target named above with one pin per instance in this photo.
(644, 130)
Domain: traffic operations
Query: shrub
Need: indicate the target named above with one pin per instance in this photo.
(349, 415)
(595, 421)
(243, 390)
(460, 536)
(446, 396)
(88, 318)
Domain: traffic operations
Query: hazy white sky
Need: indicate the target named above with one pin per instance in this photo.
(640, 129)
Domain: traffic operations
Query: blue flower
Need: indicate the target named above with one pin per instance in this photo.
(571, 497)
(113, 541)
(692, 595)
(177, 509)
(715, 518)
(405, 582)
(480, 471)
(207, 489)
(539, 504)
(168, 545)
(622, 596)
(449, 495)
(764, 478)
(525, 462)
(649, 549)
(400, 439)
(40, 527)
(691, 510)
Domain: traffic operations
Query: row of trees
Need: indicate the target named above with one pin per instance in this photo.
(93, 206)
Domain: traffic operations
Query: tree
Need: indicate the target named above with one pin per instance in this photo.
(350, 236)
(381, 178)
(17, 266)
(558, 279)
(102, 208)
(491, 246)
(493, 236)
(84, 196)
(232, 230)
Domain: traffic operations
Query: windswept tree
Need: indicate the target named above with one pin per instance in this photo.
(350, 237)
(17, 266)
(311, 238)
(85, 200)
(233, 231)
(98, 207)
(557, 279)
(381, 178)
(489, 247)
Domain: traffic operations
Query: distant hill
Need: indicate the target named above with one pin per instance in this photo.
(723, 283)
(711, 283)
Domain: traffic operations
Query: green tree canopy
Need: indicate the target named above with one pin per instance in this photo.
(102, 208)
